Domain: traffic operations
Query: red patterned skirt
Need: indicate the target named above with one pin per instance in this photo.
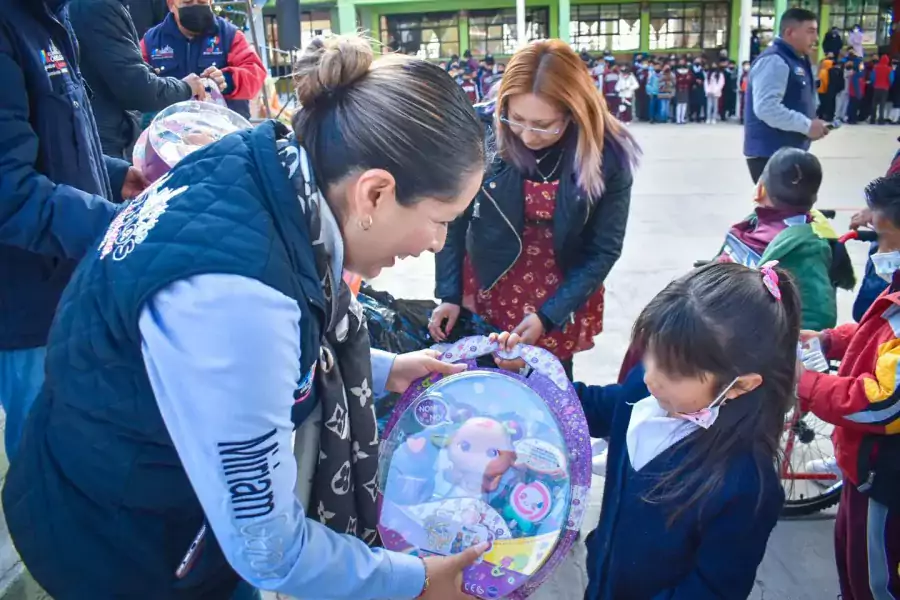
(533, 278)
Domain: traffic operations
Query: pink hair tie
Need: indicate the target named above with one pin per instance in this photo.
(770, 278)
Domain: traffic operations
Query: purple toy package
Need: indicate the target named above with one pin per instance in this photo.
(487, 456)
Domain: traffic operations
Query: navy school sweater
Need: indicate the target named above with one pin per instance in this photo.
(710, 554)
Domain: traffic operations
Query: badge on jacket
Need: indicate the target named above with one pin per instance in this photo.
(54, 61)
(305, 386)
(162, 53)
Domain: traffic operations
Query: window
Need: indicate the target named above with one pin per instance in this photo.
(688, 25)
(613, 27)
(312, 24)
(875, 16)
(426, 35)
(494, 31)
(763, 17)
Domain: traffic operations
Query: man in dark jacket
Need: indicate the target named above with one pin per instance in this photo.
(833, 43)
(55, 189)
(123, 84)
(146, 14)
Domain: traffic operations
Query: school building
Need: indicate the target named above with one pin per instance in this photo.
(439, 29)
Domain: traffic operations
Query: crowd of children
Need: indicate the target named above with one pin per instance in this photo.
(855, 89)
(476, 77)
(675, 89)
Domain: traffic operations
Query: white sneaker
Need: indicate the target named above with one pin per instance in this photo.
(824, 466)
(598, 462)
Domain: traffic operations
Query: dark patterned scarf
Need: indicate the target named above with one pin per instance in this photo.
(344, 484)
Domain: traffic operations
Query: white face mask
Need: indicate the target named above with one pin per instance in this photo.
(886, 263)
(705, 417)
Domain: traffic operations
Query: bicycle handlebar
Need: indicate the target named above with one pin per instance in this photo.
(860, 235)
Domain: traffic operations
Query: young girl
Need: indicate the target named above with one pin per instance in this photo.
(713, 86)
(692, 491)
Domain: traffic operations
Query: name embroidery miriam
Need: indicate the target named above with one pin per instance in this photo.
(249, 465)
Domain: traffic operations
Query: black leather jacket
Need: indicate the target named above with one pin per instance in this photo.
(587, 235)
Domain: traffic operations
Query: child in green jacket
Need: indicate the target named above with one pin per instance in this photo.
(785, 227)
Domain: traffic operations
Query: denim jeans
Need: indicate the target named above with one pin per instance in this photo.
(21, 378)
(662, 114)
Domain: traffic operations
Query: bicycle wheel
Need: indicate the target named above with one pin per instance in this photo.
(807, 491)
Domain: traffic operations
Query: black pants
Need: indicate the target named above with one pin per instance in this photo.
(879, 107)
(853, 111)
(756, 166)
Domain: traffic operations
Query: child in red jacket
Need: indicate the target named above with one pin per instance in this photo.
(863, 403)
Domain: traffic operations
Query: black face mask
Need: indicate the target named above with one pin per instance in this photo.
(197, 18)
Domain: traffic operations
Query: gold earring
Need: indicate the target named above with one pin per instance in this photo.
(365, 225)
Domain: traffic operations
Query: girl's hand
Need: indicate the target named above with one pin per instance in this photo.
(415, 365)
(861, 219)
(445, 312)
(808, 334)
(507, 341)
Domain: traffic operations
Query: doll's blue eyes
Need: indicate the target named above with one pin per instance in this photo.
(466, 446)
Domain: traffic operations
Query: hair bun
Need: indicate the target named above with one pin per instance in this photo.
(331, 64)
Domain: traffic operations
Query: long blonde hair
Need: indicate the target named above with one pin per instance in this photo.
(551, 69)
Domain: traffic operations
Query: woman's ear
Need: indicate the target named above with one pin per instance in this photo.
(372, 190)
(744, 385)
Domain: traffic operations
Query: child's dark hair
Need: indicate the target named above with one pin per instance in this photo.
(721, 321)
(792, 178)
(883, 196)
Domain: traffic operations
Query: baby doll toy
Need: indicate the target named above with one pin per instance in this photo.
(487, 455)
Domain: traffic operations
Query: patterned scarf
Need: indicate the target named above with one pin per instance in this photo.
(344, 484)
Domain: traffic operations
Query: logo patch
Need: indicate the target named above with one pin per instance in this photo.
(162, 53)
(213, 46)
(133, 224)
(54, 61)
(304, 389)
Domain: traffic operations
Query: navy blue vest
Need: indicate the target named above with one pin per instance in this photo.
(173, 55)
(760, 140)
(96, 465)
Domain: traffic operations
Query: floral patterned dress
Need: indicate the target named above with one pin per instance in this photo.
(534, 278)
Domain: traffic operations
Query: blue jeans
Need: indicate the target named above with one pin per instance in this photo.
(21, 378)
(245, 591)
(663, 113)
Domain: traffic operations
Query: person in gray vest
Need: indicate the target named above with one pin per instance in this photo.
(781, 93)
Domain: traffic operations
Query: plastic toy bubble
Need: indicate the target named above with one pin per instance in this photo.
(487, 456)
(179, 130)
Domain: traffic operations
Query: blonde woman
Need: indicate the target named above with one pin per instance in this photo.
(531, 253)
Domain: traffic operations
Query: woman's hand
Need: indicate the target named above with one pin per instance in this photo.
(445, 574)
(415, 365)
(530, 330)
(445, 312)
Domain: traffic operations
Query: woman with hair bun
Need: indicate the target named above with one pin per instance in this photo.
(160, 460)
(532, 252)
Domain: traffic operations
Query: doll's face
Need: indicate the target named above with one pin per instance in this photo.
(480, 447)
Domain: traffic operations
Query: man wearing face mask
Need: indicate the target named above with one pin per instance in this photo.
(861, 400)
(192, 39)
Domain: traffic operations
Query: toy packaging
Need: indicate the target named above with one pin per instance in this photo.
(181, 129)
(487, 456)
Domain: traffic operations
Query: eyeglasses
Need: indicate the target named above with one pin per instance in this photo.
(519, 127)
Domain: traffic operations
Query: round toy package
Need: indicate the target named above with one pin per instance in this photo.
(179, 130)
(487, 456)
